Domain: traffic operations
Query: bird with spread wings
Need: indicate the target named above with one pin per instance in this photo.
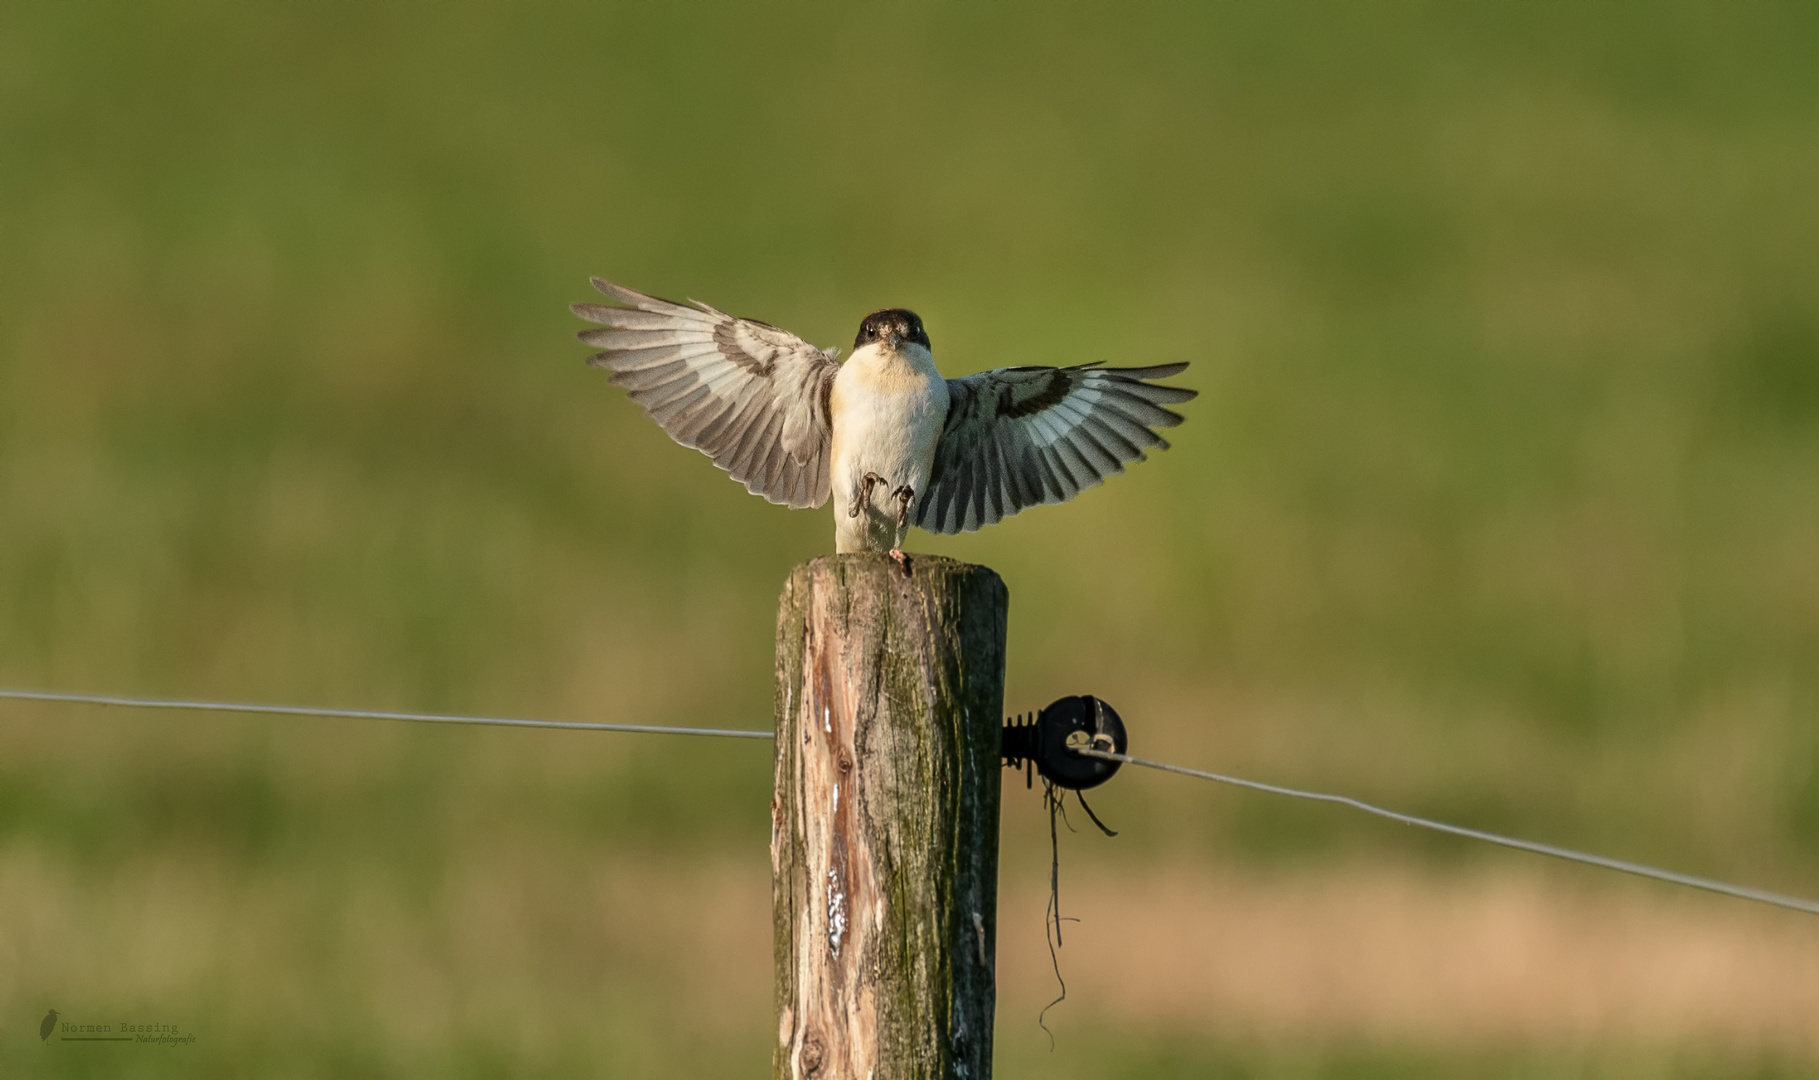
(893, 441)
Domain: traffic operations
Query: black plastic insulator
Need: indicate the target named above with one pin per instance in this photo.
(1048, 741)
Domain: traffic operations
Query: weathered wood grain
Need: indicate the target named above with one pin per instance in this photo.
(884, 826)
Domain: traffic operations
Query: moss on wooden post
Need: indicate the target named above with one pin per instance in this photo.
(884, 825)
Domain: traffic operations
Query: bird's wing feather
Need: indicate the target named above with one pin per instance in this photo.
(750, 396)
(1022, 436)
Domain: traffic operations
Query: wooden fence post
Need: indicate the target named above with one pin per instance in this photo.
(884, 824)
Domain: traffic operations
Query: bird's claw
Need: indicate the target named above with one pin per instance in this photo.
(905, 495)
(901, 559)
(865, 493)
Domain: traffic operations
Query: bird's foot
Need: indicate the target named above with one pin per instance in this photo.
(905, 495)
(901, 559)
(865, 493)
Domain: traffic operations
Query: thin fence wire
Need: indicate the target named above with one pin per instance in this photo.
(1741, 892)
(368, 714)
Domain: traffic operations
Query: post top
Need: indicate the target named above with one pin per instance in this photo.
(879, 568)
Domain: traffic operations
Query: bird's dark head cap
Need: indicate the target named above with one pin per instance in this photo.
(891, 326)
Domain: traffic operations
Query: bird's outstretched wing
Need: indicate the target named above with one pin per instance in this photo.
(1022, 436)
(752, 397)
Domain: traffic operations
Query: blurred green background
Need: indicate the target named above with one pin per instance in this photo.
(1500, 504)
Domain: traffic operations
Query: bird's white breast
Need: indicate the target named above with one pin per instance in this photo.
(888, 406)
(887, 410)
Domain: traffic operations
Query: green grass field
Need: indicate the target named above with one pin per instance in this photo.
(1500, 504)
